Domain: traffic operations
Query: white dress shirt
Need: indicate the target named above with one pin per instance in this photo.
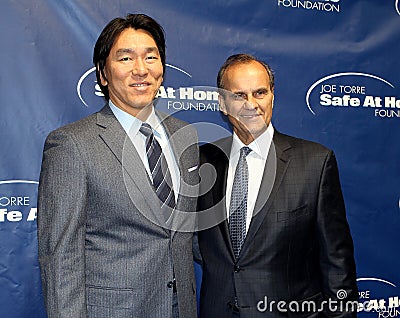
(256, 160)
(131, 125)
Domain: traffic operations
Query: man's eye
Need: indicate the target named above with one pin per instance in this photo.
(238, 96)
(151, 58)
(125, 58)
(260, 94)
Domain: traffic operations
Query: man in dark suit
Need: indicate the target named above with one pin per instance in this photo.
(281, 245)
(115, 192)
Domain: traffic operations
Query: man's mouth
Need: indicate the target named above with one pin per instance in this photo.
(143, 84)
(253, 115)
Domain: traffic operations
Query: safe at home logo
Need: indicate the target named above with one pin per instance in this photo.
(319, 5)
(378, 298)
(18, 201)
(195, 98)
(354, 91)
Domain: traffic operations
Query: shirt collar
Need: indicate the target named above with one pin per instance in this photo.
(131, 124)
(260, 145)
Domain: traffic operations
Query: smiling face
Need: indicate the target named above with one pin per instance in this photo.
(248, 99)
(133, 72)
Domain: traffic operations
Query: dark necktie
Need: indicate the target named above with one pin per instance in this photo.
(160, 174)
(238, 204)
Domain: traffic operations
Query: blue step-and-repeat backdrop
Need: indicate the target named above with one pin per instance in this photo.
(337, 82)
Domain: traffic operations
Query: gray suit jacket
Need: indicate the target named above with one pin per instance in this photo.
(102, 249)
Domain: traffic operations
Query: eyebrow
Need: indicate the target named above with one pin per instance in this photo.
(131, 50)
(255, 90)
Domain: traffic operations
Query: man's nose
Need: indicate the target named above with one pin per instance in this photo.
(250, 103)
(139, 67)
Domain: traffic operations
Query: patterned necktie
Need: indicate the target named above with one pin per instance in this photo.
(160, 174)
(238, 206)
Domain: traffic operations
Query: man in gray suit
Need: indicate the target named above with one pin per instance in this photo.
(114, 220)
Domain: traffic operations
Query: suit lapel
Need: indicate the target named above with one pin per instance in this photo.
(135, 177)
(176, 138)
(221, 163)
(185, 150)
(177, 142)
(278, 160)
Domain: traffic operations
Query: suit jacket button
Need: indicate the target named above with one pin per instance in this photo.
(237, 268)
(172, 284)
(235, 308)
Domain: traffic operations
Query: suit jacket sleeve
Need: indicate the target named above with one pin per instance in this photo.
(61, 227)
(336, 245)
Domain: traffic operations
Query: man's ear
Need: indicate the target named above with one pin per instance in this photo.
(103, 79)
(222, 105)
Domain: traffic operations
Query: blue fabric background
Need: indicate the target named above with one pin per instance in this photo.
(353, 49)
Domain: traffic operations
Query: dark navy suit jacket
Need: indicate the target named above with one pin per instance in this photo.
(298, 248)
